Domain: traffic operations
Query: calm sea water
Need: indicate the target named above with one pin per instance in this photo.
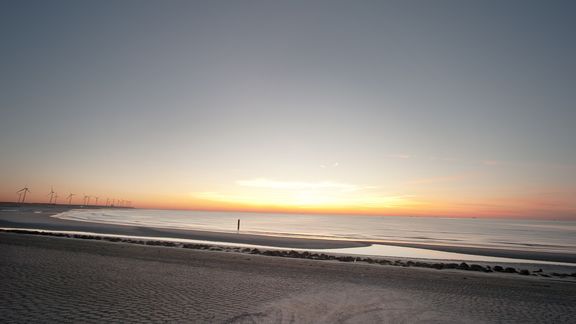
(535, 235)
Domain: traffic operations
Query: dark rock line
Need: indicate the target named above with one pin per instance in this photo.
(305, 255)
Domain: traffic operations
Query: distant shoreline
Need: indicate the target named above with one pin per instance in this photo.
(4, 204)
(28, 217)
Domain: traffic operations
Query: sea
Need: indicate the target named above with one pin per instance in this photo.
(519, 234)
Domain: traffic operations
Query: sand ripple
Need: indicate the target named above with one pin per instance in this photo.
(57, 280)
(351, 304)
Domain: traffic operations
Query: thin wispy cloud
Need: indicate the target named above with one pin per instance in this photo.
(333, 165)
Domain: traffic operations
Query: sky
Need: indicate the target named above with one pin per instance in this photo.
(426, 108)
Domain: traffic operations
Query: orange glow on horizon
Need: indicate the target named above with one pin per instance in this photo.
(391, 206)
(415, 208)
(330, 197)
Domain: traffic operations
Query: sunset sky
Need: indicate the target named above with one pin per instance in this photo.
(432, 108)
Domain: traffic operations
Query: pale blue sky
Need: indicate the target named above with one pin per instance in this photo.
(199, 94)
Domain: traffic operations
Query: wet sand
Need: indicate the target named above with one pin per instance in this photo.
(51, 279)
(25, 217)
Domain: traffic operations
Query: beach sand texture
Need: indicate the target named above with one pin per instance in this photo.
(39, 217)
(50, 279)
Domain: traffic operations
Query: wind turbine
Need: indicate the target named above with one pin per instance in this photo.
(96, 203)
(55, 197)
(107, 201)
(70, 198)
(88, 200)
(51, 194)
(23, 192)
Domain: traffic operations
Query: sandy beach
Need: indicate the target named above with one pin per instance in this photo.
(55, 279)
(50, 279)
(38, 217)
(67, 279)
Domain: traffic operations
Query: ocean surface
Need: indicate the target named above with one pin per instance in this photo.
(528, 235)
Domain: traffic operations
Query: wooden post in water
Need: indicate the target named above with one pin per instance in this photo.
(238, 229)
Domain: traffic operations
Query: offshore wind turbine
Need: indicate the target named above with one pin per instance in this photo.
(51, 194)
(23, 193)
(88, 200)
(55, 197)
(70, 198)
(96, 203)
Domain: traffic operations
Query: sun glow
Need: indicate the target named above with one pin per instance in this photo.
(324, 195)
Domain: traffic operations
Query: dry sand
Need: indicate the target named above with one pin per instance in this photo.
(50, 279)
